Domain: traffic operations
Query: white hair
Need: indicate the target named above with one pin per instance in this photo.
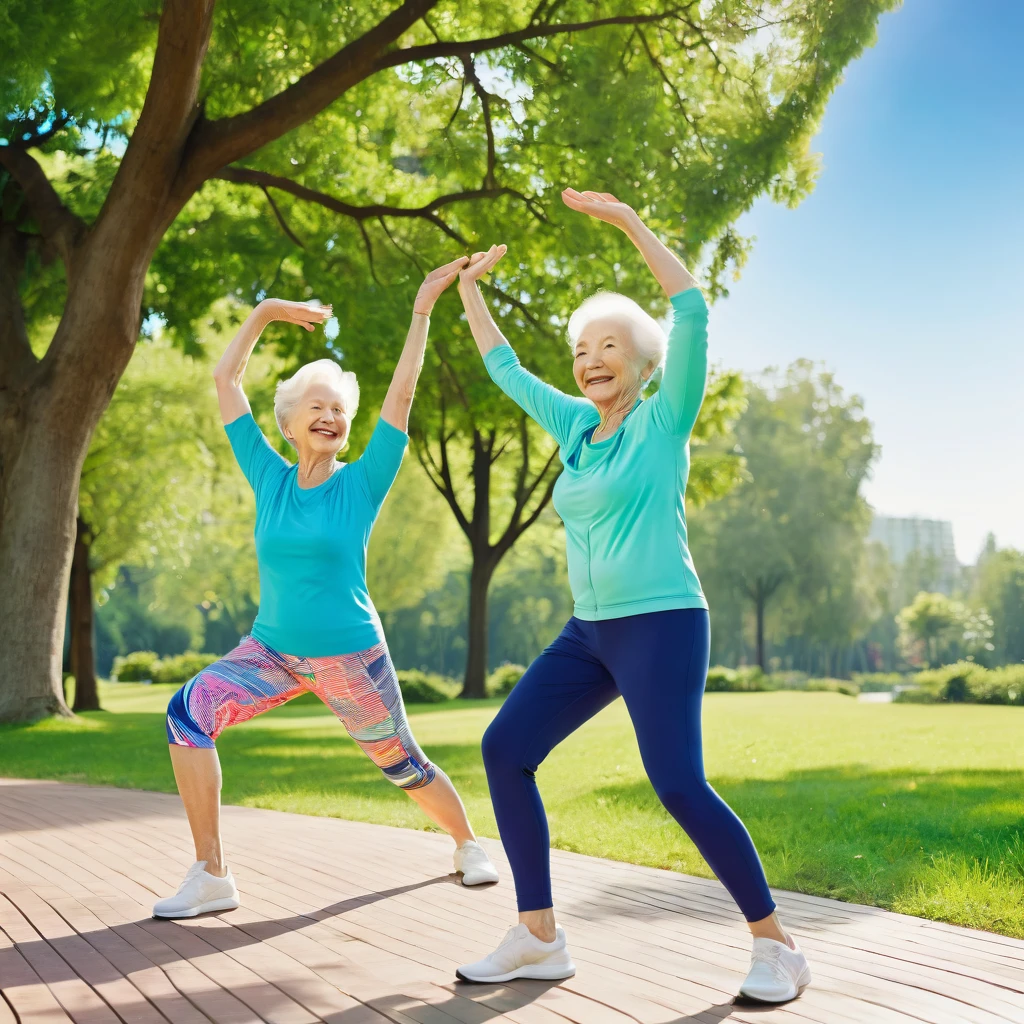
(321, 371)
(647, 335)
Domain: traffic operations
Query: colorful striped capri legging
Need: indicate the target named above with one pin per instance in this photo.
(361, 689)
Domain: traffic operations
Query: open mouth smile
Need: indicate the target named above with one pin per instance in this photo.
(598, 380)
(324, 432)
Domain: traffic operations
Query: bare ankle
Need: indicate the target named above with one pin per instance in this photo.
(541, 923)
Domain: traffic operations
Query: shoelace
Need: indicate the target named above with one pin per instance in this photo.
(771, 957)
(196, 869)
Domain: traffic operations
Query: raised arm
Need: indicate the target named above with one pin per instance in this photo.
(229, 370)
(681, 393)
(555, 411)
(398, 400)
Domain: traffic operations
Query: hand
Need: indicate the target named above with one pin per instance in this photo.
(480, 264)
(602, 205)
(435, 283)
(295, 312)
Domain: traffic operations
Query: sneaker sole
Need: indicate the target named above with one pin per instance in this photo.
(534, 972)
(203, 908)
(476, 881)
(802, 982)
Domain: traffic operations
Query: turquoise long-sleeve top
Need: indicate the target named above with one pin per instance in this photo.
(621, 500)
(311, 543)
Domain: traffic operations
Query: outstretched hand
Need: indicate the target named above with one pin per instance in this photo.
(481, 263)
(602, 205)
(296, 312)
(434, 283)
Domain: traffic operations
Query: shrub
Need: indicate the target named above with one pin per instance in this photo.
(826, 685)
(966, 682)
(423, 687)
(134, 667)
(737, 680)
(180, 668)
(878, 682)
(503, 678)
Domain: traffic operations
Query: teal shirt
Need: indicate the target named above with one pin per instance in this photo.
(311, 543)
(622, 499)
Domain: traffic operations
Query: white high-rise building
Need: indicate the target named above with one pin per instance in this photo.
(932, 538)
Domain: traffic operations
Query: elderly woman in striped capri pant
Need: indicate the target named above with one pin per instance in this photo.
(317, 629)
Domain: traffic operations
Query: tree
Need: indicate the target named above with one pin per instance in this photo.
(792, 534)
(999, 587)
(935, 629)
(145, 486)
(139, 179)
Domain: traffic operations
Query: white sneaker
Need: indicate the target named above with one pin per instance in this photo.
(472, 862)
(199, 893)
(522, 955)
(778, 972)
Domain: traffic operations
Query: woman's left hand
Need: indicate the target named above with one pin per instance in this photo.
(435, 283)
(602, 205)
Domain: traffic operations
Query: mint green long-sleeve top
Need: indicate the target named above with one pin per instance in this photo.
(622, 499)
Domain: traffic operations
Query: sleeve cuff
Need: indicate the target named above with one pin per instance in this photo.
(390, 433)
(690, 300)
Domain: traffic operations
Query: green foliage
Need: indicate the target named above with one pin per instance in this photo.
(790, 538)
(966, 682)
(935, 628)
(180, 668)
(999, 588)
(501, 681)
(737, 680)
(425, 687)
(134, 667)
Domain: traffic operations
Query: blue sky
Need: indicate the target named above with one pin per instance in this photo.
(903, 272)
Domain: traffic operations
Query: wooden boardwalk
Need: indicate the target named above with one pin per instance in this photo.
(352, 924)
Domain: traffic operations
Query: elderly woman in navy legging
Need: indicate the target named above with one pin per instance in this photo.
(640, 628)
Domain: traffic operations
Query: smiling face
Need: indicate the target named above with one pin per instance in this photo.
(606, 364)
(319, 424)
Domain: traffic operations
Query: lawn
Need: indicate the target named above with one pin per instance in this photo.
(918, 808)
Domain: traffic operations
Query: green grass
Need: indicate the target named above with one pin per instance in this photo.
(918, 808)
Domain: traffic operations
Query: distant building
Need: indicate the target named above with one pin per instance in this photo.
(930, 540)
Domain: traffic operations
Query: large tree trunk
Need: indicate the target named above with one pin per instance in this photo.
(83, 656)
(39, 468)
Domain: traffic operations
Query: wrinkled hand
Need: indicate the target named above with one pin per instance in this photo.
(602, 205)
(481, 263)
(296, 312)
(434, 283)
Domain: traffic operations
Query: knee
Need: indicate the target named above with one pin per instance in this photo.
(410, 773)
(503, 749)
(183, 728)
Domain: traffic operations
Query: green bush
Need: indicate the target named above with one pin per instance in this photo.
(826, 685)
(503, 678)
(966, 682)
(423, 687)
(134, 667)
(749, 679)
(878, 682)
(180, 668)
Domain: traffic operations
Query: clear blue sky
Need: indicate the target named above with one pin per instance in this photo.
(903, 272)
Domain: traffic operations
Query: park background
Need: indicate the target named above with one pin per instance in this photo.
(854, 510)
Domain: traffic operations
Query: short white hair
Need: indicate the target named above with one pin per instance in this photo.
(321, 371)
(647, 335)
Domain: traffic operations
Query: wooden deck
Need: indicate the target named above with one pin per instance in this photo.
(352, 923)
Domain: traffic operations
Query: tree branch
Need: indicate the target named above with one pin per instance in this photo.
(284, 224)
(16, 355)
(58, 225)
(215, 144)
(485, 103)
(468, 47)
(264, 180)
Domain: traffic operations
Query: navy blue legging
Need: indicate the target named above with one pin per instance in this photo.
(658, 663)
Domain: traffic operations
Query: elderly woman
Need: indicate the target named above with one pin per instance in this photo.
(317, 629)
(640, 628)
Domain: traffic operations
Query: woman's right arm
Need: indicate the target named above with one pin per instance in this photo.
(555, 411)
(229, 370)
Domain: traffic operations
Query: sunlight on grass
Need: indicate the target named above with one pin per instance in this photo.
(913, 807)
